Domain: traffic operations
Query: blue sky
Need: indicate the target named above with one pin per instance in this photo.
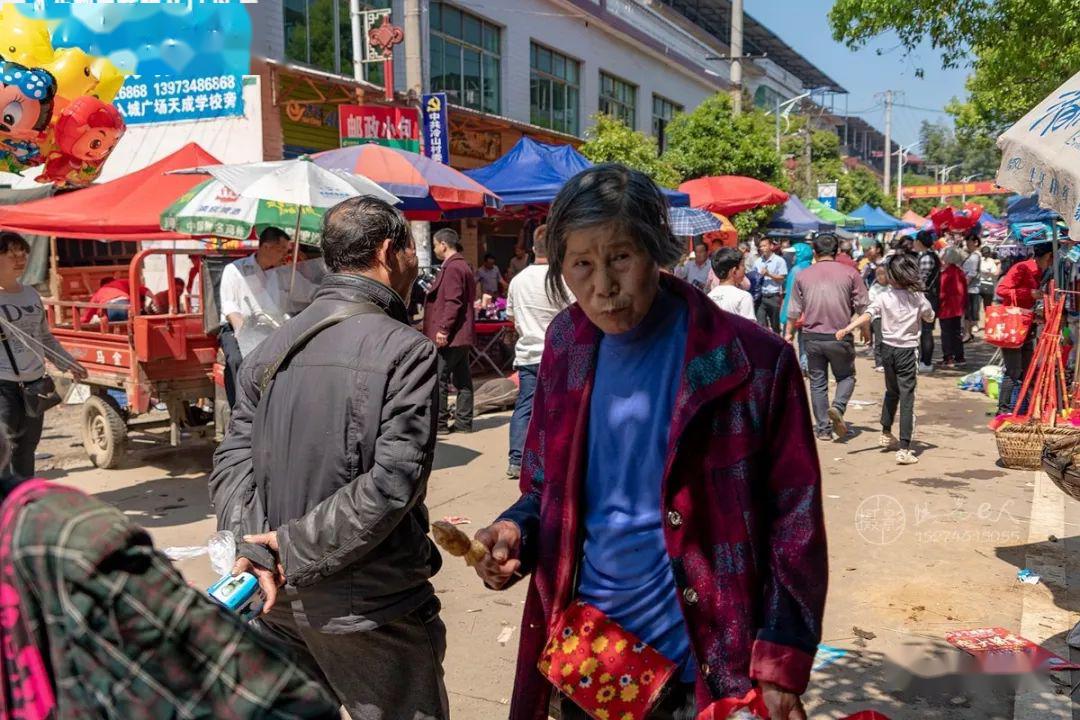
(803, 24)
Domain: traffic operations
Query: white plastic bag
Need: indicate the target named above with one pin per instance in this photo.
(221, 547)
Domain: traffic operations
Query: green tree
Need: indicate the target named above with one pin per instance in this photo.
(610, 140)
(860, 185)
(1019, 50)
(711, 140)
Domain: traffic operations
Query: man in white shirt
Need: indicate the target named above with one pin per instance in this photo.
(773, 270)
(531, 307)
(255, 298)
(727, 265)
(696, 271)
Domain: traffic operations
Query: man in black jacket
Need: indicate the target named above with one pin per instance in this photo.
(324, 470)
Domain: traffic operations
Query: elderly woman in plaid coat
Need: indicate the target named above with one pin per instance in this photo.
(669, 479)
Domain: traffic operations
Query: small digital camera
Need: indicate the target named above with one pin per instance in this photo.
(237, 593)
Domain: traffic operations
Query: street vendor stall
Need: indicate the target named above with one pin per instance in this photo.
(1039, 161)
(877, 220)
(794, 220)
(145, 359)
(531, 174)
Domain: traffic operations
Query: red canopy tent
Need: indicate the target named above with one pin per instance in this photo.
(730, 194)
(127, 208)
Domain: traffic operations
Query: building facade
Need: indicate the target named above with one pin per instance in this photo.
(537, 67)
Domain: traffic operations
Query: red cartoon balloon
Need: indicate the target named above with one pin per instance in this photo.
(85, 133)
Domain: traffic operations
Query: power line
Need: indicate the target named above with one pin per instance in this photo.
(922, 109)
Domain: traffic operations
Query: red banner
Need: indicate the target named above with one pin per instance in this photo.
(392, 126)
(961, 188)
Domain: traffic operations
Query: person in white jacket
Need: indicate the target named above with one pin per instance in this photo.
(727, 264)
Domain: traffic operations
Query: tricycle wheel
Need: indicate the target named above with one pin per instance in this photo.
(104, 432)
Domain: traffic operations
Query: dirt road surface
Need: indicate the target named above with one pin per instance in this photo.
(915, 552)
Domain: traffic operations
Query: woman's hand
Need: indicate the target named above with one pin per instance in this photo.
(782, 705)
(503, 541)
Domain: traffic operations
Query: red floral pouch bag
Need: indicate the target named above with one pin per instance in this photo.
(605, 670)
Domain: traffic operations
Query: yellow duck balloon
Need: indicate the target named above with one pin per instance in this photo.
(22, 39)
(79, 74)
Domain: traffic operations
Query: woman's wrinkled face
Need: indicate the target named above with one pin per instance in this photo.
(613, 278)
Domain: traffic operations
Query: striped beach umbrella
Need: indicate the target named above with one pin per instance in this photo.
(428, 189)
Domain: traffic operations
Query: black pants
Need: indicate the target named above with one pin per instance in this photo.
(677, 703)
(1016, 361)
(952, 338)
(901, 376)
(926, 343)
(875, 338)
(454, 367)
(823, 353)
(394, 672)
(768, 312)
(23, 431)
(231, 349)
(973, 309)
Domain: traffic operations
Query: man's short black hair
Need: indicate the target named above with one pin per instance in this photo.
(926, 238)
(825, 244)
(725, 260)
(272, 235)
(701, 243)
(354, 229)
(450, 237)
(489, 256)
(9, 240)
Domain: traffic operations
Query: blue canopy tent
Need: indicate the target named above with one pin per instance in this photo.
(877, 220)
(793, 219)
(532, 173)
(1025, 209)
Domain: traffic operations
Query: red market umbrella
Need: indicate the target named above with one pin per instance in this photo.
(729, 194)
(127, 208)
(428, 189)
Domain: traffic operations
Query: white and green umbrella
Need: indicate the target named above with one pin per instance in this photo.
(243, 199)
(213, 209)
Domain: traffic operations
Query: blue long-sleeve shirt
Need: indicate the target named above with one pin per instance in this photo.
(626, 572)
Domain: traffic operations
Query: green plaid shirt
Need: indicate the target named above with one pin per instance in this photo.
(125, 637)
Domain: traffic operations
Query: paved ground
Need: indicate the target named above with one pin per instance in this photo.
(914, 552)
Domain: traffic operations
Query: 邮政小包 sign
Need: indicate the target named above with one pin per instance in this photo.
(390, 126)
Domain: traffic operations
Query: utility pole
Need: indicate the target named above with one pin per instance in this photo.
(357, 40)
(887, 184)
(414, 85)
(414, 68)
(736, 54)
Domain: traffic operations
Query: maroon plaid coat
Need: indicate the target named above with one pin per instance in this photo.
(741, 498)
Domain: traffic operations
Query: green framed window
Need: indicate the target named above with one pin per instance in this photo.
(554, 90)
(465, 58)
(618, 98)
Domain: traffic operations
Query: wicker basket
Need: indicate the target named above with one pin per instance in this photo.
(1020, 447)
(1061, 462)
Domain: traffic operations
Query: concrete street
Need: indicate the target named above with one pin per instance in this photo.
(914, 552)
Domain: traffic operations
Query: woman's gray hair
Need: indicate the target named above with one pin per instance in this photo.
(609, 194)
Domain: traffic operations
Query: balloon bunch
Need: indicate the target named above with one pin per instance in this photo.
(55, 105)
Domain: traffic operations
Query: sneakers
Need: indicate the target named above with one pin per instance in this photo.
(513, 472)
(825, 436)
(887, 440)
(879, 369)
(838, 425)
(906, 457)
(924, 369)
